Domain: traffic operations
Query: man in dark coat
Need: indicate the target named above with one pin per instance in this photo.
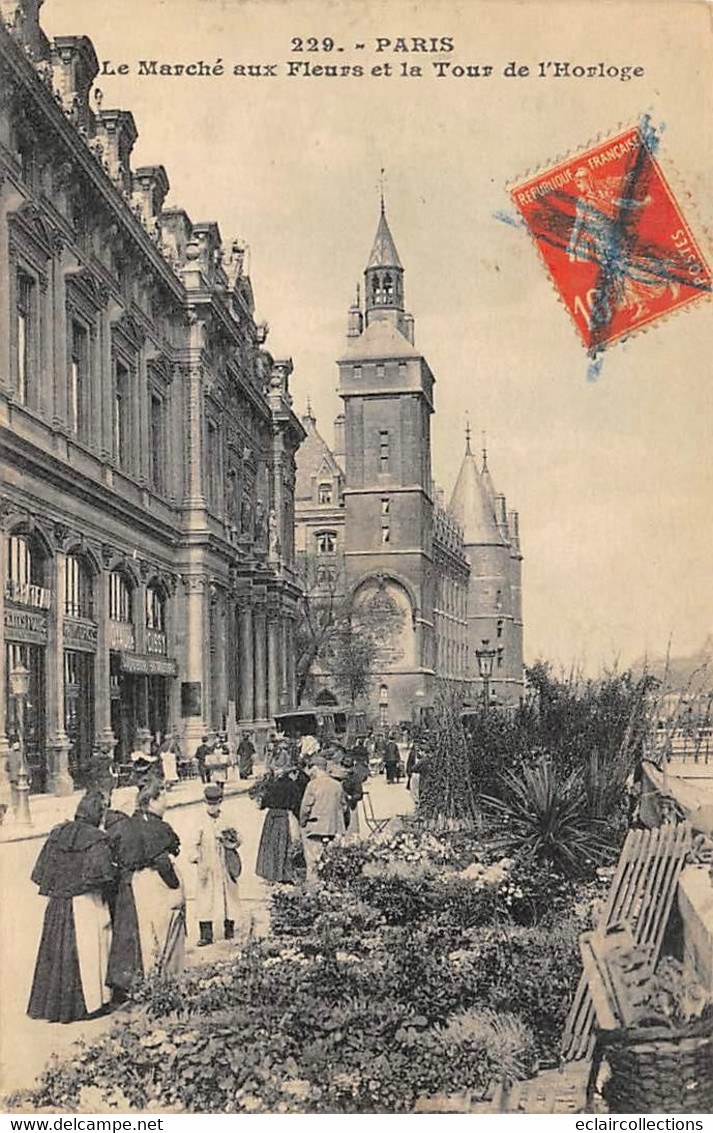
(246, 756)
(73, 870)
(202, 752)
(392, 757)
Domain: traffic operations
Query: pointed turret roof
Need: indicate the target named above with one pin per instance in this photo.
(313, 458)
(472, 504)
(383, 253)
(485, 473)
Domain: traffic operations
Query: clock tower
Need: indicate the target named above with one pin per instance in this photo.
(387, 388)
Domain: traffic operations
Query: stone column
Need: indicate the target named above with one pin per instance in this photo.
(195, 652)
(142, 397)
(194, 487)
(59, 781)
(291, 673)
(105, 389)
(105, 739)
(59, 340)
(221, 648)
(273, 665)
(5, 790)
(284, 679)
(260, 636)
(245, 645)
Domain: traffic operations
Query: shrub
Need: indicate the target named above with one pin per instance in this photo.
(545, 818)
(289, 1050)
(533, 971)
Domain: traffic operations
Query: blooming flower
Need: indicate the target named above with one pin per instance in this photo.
(299, 1088)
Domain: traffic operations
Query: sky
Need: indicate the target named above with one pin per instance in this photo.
(612, 478)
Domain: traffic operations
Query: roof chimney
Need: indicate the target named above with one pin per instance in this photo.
(149, 188)
(117, 131)
(74, 69)
(340, 439)
(22, 19)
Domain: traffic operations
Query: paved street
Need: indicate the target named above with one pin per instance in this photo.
(28, 1044)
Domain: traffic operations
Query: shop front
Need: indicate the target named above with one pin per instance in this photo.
(140, 698)
(29, 726)
(80, 643)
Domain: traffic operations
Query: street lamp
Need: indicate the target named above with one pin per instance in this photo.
(19, 688)
(486, 660)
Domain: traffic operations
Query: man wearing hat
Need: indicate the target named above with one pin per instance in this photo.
(144, 767)
(215, 852)
(321, 814)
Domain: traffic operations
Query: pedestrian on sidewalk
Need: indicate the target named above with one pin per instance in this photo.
(150, 911)
(169, 753)
(73, 870)
(202, 752)
(392, 757)
(217, 763)
(246, 756)
(215, 853)
(280, 829)
(321, 813)
(341, 767)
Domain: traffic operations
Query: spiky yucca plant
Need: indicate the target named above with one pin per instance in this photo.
(545, 818)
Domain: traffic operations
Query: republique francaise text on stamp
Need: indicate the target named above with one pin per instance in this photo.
(613, 237)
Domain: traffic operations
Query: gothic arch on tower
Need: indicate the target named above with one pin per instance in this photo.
(387, 605)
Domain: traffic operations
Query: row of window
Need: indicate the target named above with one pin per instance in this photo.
(79, 383)
(26, 583)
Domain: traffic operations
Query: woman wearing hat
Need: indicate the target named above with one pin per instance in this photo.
(217, 762)
(280, 795)
(73, 870)
(215, 852)
(149, 915)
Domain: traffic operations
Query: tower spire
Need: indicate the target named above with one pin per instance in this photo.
(485, 453)
(381, 190)
(384, 276)
(467, 434)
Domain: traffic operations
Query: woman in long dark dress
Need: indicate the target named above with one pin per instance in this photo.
(74, 870)
(149, 914)
(280, 828)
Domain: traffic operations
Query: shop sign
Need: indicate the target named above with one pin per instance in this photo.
(80, 635)
(26, 625)
(151, 666)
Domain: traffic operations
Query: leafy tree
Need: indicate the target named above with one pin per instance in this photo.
(320, 609)
(345, 635)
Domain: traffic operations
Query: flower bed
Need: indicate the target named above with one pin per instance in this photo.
(413, 967)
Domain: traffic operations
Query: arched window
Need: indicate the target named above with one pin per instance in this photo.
(155, 608)
(156, 641)
(26, 573)
(119, 598)
(388, 289)
(326, 542)
(78, 590)
(384, 706)
(325, 493)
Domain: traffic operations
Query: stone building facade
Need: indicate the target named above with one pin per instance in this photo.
(147, 440)
(372, 523)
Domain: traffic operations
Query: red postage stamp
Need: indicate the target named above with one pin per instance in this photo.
(613, 237)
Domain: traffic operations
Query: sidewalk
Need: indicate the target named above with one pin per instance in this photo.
(49, 810)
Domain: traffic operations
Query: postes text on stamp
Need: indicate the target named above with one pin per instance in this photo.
(613, 237)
